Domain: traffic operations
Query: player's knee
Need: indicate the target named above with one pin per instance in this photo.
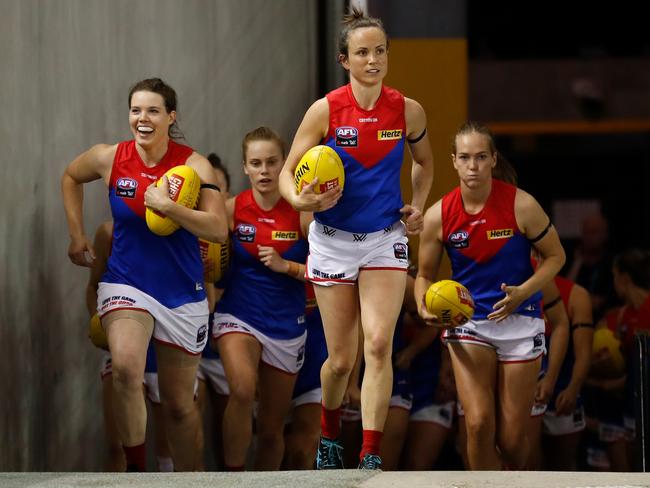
(513, 443)
(480, 428)
(340, 366)
(126, 376)
(378, 347)
(269, 437)
(242, 392)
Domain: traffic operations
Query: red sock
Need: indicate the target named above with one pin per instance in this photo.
(371, 443)
(234, 468)
(330, 422)
(136, 458)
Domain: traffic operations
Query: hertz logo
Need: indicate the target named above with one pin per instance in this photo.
(284, 235)
(499, 234)
(388, 135)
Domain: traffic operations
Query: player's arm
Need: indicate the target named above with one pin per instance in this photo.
(230, 212)
(311, 132)
(208, 221)
(102, 246)
(422, 165)
(582, 333)
(429, 258)
(536, 226)
(91, 165)
(275, 262)
(559, 320)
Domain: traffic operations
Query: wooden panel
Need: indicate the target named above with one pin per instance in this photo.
(433, 72)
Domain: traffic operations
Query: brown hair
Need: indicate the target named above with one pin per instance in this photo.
(156, 85)
(216, 163)
(504, 170)
(262, 133)
(356, 19)
(636, 263)
(471, 127)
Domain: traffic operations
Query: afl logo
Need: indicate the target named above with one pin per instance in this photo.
(347, 136)
(459, 239)
(246, 232)
(125, 187)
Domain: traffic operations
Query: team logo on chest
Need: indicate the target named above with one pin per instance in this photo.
(347, 136)
(459, 239)
(246, 232)
(125, 187)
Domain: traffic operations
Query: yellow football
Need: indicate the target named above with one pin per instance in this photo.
(323, 163)
(450, 301)
(184, 187)
(607, 347)
(219, 256)
(96, 333)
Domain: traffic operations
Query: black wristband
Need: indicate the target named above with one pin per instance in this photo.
(210, 186)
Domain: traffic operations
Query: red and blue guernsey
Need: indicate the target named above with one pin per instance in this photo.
(168, 268)
(371, 145)
(487, 249)
(273, 303)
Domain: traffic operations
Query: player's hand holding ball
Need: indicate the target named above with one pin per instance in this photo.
(319, 179)
(181, 184)
(447, 304)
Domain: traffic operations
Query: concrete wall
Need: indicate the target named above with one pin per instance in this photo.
(67, 66)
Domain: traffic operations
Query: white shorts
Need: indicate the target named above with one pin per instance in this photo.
(350, 414)
(311, 396)
(398, 401)
(538, 409)
(610, 432)
(211, 371)
(285, 355)
(555, 424)
(337, 256)
(185, 327)
(517, 338)
(441, 414)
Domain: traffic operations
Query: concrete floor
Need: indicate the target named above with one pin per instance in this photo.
(329, 479)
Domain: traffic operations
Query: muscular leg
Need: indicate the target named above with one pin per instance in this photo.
(392, 441)
(275, 389)
(163, 449)
(302, 440)
(516, 383)
(424, 443)
(475, 370)
(381, 293)
(115, 461)
(240, 354)
(128, 334)
(339, 308)
(534, 435)
(176, 377)
(561, 452)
